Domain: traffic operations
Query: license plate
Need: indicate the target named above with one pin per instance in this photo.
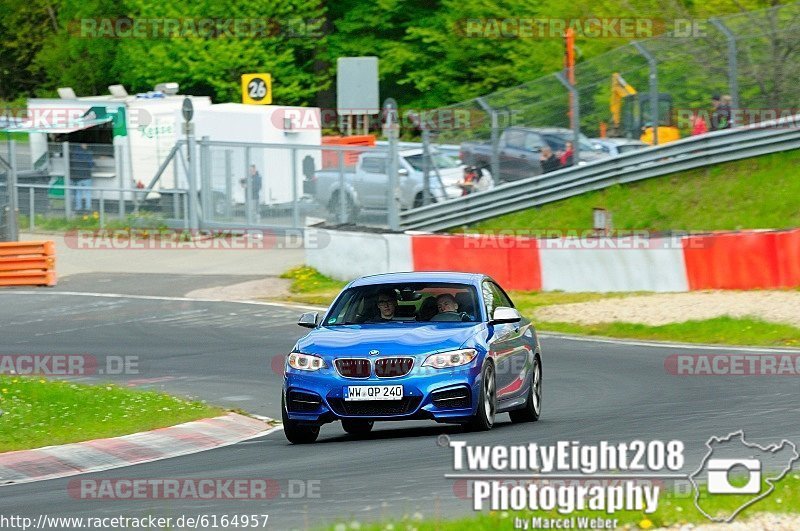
(373, 392)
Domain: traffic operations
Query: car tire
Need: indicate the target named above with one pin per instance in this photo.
(533, 405)
(357, 427)
(483, 420)
(295, 432)
(350, 209)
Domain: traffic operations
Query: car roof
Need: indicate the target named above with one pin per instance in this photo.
(419, 276)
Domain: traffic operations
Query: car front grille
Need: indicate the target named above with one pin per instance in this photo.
(353, 367)
(375, 408)
(393, 367)
(452, 398)
(300, 402)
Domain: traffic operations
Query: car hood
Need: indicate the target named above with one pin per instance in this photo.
(388, 338)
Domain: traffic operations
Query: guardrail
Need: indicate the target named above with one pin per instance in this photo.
(693, 152)
(27, 263)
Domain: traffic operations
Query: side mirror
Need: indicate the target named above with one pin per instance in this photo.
(308, 319)
(504, 314)
(402, 171)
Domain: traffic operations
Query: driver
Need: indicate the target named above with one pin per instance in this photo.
(446, 303)
(387, 304)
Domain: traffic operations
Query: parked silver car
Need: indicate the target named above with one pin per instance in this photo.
(366, 185)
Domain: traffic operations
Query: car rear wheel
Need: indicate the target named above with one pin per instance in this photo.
(357, 427)
(533, 406)
(487, 404)
(295, 432)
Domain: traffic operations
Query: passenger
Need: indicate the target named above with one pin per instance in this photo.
(387, 304)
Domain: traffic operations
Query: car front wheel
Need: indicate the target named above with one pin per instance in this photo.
(295, 432)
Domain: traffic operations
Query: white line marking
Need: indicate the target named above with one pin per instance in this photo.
(160, 298)
(666, 344)
(659, 344)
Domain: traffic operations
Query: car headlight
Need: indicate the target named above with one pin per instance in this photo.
(453, 358)
(305, 362)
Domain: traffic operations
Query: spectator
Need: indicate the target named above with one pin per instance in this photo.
(255, 187)
(548, 160)
(81, 163)
(721, 115)
(699, 125)
(566, 158)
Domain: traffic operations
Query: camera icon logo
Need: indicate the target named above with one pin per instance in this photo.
(722, 476)
(747, 472)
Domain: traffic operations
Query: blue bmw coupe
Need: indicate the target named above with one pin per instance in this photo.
(444, 346)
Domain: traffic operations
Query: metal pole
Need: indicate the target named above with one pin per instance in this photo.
(576, 124)
(733, 68)
(118, 164)
(228, 183)
(13, 199)
(295, 205)
(102, 211)
(392, 133)
(205, 179)
(495, 157)
(426, 172)
(342, 199)
(192, 200)
(248, 185)
(651, 61)
(67, 194)
(31, 208)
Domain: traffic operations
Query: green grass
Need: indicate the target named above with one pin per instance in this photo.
(309, 286)
(720, 330)
(92, 221)
(754, 193)
(39, 412)
(672, 509)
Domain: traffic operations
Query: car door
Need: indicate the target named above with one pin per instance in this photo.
(512, 154)
(371, 182)
(508, 347)
(530, 165)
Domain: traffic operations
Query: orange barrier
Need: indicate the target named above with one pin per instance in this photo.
(27, 263)
(512, 261)
(330, 159)
(745, 260)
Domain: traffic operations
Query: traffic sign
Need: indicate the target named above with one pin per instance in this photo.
(257, 89)
(187, 109)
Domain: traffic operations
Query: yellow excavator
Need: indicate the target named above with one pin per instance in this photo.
(630, 114)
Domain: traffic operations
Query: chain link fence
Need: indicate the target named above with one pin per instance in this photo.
(750, 59)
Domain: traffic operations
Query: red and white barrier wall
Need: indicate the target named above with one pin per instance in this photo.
(736, 260)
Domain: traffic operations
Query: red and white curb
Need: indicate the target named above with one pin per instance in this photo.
(103, 454)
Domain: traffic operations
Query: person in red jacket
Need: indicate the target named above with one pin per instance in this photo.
(699, 126)
(566, 158)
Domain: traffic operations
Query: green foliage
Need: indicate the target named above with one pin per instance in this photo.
(430, 55)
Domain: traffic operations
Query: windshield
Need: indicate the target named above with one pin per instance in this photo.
(438, 160)
(410, 303)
